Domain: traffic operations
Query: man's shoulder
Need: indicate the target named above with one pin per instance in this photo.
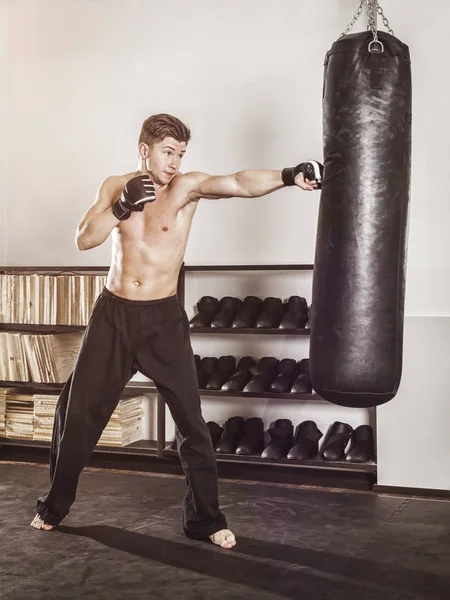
(188, 181)
(115, 183)
(184, 185)
(124, 178)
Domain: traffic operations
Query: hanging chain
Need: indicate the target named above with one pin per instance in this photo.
(372, 23)
(355, 18)
(371, 19)
(385, 21)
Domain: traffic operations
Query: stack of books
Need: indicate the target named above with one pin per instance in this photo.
(51, 357)
(48, 299)
(31, 417)
(46, 358)
(13, 362)
(19, 416)
(125, 425)
(3, 392)
(44, 416)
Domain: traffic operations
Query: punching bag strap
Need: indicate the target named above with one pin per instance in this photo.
(375, 48)
(375, 64)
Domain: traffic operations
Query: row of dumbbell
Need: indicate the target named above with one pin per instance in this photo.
(252, 312)
(267, 374)
(246, 437)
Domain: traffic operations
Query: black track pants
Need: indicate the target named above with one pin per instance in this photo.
(122, 337)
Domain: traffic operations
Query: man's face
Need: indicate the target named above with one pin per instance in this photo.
(164, 159)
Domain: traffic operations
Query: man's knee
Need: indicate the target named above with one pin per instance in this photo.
(196, 440)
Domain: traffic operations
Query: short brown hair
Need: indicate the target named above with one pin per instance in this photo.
(157, 127)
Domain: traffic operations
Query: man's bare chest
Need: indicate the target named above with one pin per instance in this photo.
(156, 223)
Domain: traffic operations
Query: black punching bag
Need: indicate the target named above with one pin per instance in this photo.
(360, 259)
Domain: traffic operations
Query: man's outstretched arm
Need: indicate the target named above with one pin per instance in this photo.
(245, 184)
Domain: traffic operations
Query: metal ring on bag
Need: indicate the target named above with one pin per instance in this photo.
(376, 42)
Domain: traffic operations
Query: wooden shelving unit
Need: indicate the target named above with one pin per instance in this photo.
(159, 448)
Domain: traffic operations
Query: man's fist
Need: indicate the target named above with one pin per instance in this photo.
(307, 175)
(135, 195)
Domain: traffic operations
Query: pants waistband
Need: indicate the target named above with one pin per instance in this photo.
(167, 300)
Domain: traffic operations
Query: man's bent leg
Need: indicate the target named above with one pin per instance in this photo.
(102, 369)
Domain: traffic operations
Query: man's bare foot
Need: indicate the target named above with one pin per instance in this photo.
(38, 523)
(223, 538)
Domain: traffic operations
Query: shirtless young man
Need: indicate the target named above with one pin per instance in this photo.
(137, 323)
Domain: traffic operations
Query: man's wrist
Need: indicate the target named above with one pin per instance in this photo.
(120, 211)
(289, 174)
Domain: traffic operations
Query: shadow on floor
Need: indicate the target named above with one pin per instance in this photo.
(344, 575)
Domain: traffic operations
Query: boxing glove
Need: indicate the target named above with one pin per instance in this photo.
(138, 191)
(311, 170)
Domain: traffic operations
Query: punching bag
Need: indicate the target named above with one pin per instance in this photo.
(359, 268)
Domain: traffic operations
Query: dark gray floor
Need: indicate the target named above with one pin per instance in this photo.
(123, 540)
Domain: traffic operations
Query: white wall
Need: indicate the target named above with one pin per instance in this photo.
(4, 99)
(247, 77)
(413, 429)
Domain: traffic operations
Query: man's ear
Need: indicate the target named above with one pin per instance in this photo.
(144, 150)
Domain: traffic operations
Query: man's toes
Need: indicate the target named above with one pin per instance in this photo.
(38, 523)
(223, 538)
(230, 540)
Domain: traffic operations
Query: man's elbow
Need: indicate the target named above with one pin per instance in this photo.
(83, 243)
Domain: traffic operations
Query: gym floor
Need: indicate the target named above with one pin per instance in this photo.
(123, 540)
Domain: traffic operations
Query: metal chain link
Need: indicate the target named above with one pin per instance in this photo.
(371, 24)
(355, 18)
(385, 21)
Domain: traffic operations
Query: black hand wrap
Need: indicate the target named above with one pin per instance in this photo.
(290, 173)
(136, 194)
(311, 170)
